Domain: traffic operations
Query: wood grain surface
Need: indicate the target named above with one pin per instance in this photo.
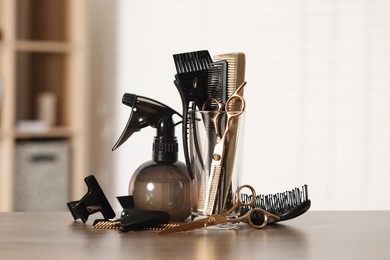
(314, 235)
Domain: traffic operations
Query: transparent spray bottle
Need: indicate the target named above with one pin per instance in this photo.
(163, 183)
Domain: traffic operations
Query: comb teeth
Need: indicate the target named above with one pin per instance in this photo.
(192, 61)
(217, 81)
(115, 224)
(279, 203)
(106, 224)
(163, 227)
(236, 69)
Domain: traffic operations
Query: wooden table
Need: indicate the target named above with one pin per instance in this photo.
(314, 235)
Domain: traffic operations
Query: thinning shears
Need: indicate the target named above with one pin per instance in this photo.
(233, 107)
(226, 217)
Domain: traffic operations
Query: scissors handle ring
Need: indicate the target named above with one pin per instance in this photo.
(253, 197)
(247, 217)
(209, 101)
(231, 102)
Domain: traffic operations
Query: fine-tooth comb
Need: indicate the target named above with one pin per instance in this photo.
(163, 227)
(236, 69)
(217, 82)
(235, 77)
(285, 205)
(191, 82)
(115, 224)
(106, 224)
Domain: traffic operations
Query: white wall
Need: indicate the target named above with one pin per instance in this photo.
(318, 93)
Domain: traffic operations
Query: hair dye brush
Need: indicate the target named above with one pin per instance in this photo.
(191, 82)
(191, 77)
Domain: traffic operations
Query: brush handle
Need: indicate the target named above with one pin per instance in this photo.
(185, 103)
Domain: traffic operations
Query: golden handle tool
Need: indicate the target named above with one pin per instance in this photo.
(218, 156)
(222, 218)
(218, 159)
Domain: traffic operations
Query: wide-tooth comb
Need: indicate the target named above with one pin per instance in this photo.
(285, 205)
(191, 82)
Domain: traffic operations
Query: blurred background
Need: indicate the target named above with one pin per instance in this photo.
(318, 92)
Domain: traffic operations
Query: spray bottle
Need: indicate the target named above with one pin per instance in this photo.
(162, 183)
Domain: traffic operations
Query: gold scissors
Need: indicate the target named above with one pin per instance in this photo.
(234, 107)
(223, 218)
(230, 106)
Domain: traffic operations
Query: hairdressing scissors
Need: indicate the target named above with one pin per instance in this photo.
(234, 107)
(224, 217)
(229, 106)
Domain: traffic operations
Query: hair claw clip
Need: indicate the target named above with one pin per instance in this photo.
(92, 202)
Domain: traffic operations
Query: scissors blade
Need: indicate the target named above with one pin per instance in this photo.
(213, 183)
(212, 188)
(187, 226)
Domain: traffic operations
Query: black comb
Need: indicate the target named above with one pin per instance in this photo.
(217, 81)
(134, 219)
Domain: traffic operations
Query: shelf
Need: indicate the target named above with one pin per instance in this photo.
(43, 46)
(44, 20)
(56, 132)
(43, 65)
(39, 73)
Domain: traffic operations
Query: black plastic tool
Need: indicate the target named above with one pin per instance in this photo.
(134, 219)
(92, 202)
(191, 82)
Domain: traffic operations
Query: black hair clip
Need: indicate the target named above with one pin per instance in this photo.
(134, 219)
(92, 202)
(137, 219)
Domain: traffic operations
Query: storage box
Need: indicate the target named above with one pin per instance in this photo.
(41, 175)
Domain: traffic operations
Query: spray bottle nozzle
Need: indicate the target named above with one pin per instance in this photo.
(148, 112)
